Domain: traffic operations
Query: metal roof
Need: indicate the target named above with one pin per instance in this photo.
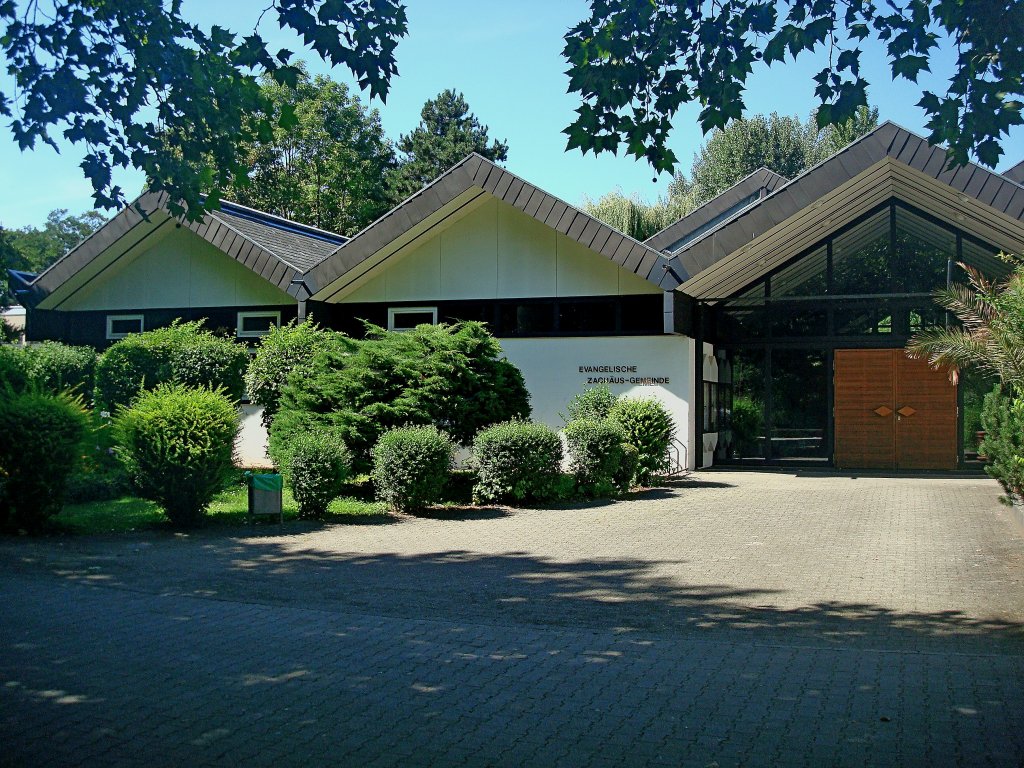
(1016, 173)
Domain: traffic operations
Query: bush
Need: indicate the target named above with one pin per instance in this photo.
(747, 422)
(283, 350)
(42, 433)
(13, 368)
(56, 367)
(411, 466)
(649, 427)
(451, 376)
(1003, 446)
(626, 472)
(595, 451)
(517, 461)
(594, 404)
(183, 353)
(177, 446)
(317, 468)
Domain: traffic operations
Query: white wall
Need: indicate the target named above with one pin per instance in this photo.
(494, 251)
(179, 269)
(551, 368)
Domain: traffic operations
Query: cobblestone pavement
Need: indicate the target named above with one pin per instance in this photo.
(736, 619)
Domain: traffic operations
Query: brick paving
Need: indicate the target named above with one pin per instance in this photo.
(738, 619)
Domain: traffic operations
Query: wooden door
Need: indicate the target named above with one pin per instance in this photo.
(892, 412)
(865, 430)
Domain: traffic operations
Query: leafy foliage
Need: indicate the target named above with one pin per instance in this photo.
(177, 445)
(447, 132)
(747, 423)
(41, 437)
(1003, 447)
(649, 427)
(318, 466)
(635, 65)
(284, 349)
(452, 376)
(595, 451)
(991, 335)
(184, 353)
(593, 403)
(138, 84)
(411, 466)
(54, 366)
(13, 368)
(634, 216)
(328, 169)
(41, 247)
(517, 461)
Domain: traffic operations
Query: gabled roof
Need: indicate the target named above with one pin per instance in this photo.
(1016, 173)
(277, 249)
(476, 174)
(716, 210)
(889, 161)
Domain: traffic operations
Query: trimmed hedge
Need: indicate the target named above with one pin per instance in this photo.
(317, 468)
(649, 427)
(183, 353)
(595, 450)
(42, 433)
(517, 461)
(177, 445)
(411, 466)
(13, 368)
(56, 367)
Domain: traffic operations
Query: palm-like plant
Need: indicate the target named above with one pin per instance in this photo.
(990, 337)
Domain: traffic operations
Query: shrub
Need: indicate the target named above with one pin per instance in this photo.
(594, 404)
(283, 350)
(13, 368)
(42, 433)
(317, 468)
(517, 461)
(626, 472)
(177, 446)
(649, 427)
(595, 454)
(184, 353)
(451, 376)
(56, 367)
(1003, 446)
(411, 466)
(747, 421)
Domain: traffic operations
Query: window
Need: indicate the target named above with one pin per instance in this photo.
(119, 326)
(255, 324)
(407, 318)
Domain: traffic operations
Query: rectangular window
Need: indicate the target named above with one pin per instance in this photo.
(119, 326)
(711, 411)
(255, 324)
(407, 318)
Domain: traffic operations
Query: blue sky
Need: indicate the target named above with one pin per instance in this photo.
(506, 58)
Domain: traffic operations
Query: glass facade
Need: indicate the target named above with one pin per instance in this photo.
(867, 285)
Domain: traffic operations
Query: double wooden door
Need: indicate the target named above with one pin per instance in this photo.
(892, 412)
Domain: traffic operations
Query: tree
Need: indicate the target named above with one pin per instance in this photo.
(327, 169)
(447, 132)
(635, 64)
(785, 145)
(990, 337)
(10, 258)
(41, 247)
(138, 84)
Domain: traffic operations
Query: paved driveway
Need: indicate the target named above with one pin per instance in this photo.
(738, 619)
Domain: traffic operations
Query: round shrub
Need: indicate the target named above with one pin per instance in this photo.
(42, 434)
(649, 427)
(594, 403)
(177, 445)
(595, 451)
(13, 368)
(55, 367)
(317, 468)
(516, 461)
(411, 466)
(184, 353)
(283, 350)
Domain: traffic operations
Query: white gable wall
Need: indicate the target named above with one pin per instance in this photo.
(178, 270)
(495, 251)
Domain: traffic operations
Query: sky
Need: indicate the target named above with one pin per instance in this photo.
(506, 58)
